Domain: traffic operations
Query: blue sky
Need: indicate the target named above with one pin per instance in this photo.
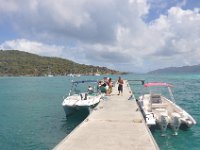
(126, 35)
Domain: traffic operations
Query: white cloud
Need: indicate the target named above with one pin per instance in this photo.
(85, 20)
(32, 47)
(106, 33)
(8, 6)
(178, 32)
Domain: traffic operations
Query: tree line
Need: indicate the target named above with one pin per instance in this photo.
(18, 63)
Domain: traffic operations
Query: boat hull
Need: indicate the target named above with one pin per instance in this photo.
(69, 110)
(75, 103)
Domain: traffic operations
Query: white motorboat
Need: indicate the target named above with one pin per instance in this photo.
(78, 100)
(97, 74)
(162, 111)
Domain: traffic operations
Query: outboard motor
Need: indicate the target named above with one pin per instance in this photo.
(175, 122)
(163, 122)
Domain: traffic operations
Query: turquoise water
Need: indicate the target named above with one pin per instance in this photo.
(32, 116)
(31, 113)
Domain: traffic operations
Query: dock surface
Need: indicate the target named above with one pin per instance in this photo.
(115, 124)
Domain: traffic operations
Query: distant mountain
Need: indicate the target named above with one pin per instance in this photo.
(18, 63)
(184, 69)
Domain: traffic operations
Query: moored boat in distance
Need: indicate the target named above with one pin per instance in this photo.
(82, 96)
(97, 74)
(163, 111)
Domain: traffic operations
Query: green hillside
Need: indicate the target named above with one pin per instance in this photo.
(179, 70)
(18, 63)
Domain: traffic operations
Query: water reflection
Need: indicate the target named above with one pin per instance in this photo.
(70, 122)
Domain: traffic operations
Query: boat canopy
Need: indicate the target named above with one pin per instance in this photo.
(157, 84)
(135, 82)
(84, 81)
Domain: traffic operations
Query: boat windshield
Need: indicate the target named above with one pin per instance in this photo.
(82, 86)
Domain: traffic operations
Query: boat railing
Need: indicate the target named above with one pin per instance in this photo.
(171, 95)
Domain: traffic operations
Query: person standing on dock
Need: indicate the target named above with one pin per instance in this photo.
(120, 86)
(110, 85)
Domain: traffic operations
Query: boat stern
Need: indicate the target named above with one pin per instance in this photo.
(150, 119)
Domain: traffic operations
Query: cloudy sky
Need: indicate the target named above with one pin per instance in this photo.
(126, 35)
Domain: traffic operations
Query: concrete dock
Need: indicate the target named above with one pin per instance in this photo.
(115, 124)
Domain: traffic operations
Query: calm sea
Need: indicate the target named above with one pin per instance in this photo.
(32, 116)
